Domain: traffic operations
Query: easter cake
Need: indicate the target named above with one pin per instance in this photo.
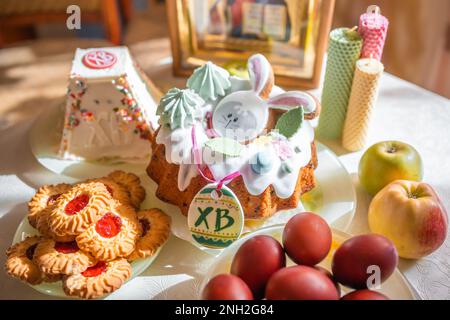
(247, 134)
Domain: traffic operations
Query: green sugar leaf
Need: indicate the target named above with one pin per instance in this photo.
(290, 122)
(225, 146)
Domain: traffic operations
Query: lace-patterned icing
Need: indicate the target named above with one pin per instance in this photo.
(45, 196)
(19, 262)
(132, 183)
(155, 232)
(77, 209)
(54, 258)
(98, 280)
(113, 236)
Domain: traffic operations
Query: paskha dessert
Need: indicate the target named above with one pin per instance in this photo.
(110, 107)
(90, 232)
(221, 125)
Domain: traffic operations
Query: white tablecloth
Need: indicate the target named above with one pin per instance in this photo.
(404, 112)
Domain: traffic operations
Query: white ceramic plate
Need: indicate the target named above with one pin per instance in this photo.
(395, 287)
(55, 288)
(45, 137)
(334, 197)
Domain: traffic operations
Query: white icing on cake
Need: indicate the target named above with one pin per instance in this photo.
(285, 157)
(109, 111)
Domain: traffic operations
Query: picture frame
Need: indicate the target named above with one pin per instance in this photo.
(292, 34)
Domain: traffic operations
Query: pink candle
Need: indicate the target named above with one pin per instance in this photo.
(373, 28)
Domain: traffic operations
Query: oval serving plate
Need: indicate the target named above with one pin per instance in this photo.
(55, 288)
(396, 287)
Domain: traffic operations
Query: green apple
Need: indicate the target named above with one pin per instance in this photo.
(388, 161)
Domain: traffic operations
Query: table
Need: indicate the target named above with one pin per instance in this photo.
(33, 77)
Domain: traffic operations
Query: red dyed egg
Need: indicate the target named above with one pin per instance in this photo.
(327, 273)
(300, 283)
(364, 294)
(364, 258)
(307, 238)
(256, 260)
(226, 287)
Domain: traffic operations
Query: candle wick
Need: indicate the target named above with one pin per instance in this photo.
(373, 9)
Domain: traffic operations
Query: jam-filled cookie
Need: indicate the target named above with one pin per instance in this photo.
(114, 235)
(19, 262)
(66, 258)
(53, 277)
(117, 191)
(44, 229)
(155, 231)
(132, 183)
(98, 280)
(77, 209)
(44, 197)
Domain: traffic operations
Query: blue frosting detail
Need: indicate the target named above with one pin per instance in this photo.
(262, 163)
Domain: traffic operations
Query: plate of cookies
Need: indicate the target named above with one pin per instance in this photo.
(87, 239)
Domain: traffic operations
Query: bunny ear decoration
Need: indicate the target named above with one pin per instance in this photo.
(293, 99)
(261, 75)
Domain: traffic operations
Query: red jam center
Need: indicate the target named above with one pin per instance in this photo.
(66, 247)
(30, 251)
(109, 225)
(76, 204)
(53, 198)
(96, 270)
(145, 226)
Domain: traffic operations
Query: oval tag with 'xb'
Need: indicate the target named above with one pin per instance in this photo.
(215, 218)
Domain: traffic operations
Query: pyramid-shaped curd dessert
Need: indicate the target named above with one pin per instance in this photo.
(110, 108)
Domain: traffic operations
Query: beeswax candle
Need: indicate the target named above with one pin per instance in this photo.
(343, 51)
(362, 101)
(373, 29)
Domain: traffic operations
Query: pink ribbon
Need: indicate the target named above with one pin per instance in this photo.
(198, 160)
(210, 132)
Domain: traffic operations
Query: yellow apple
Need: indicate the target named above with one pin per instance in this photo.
(411, 215)
(388, 161)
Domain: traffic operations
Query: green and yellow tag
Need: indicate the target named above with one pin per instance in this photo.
(215, 218)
